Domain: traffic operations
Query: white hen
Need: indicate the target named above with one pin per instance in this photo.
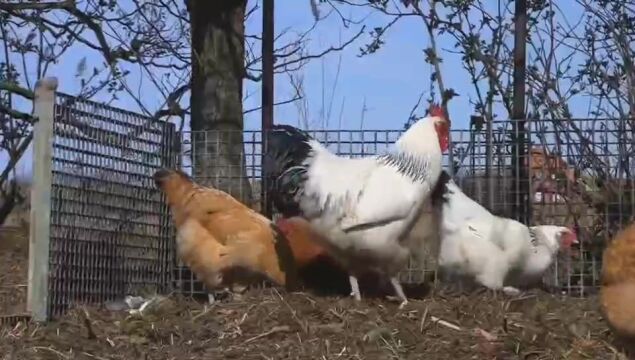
(494, 251)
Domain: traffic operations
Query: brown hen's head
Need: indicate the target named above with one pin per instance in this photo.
(163, 177)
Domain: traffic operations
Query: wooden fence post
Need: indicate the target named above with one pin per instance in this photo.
(40, 227)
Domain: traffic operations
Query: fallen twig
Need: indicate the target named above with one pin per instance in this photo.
(89, 327)
(205, 310)
(444, 323)
(332, 311)
(110, 342)
(94, 356)
(335, 328)
(423, 319)
(36, 348)
(306, 296)
(275, 329)
(303, 326)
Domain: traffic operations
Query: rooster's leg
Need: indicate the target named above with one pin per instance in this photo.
(399, 291)
(210, 298)
(354, 288)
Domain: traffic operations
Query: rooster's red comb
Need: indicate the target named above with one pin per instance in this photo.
(436, 110)
(573, 229)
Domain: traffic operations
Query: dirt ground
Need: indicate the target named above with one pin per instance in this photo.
(271, 324)
(14, 260)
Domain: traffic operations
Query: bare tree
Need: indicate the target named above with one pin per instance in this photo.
(173, 48)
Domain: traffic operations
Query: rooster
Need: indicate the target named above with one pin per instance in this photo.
(495, 251)
(617, 291)
(363, 207)
(221, 240)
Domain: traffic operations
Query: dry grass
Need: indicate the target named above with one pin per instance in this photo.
(269, 324)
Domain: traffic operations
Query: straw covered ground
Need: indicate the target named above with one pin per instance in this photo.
(271, 324)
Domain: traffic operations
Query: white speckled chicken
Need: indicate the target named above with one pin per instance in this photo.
(363, 207)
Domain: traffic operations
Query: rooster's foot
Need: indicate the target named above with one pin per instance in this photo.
(402, 303)
(511, 291)
(399, 292)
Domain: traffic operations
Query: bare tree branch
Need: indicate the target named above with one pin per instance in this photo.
(16, 114)
(16, 89)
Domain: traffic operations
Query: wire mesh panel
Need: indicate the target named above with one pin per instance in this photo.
(110, 228)
(582, 177)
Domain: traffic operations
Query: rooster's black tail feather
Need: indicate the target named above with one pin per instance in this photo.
(283, 166)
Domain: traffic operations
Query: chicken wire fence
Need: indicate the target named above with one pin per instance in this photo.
(110, 234)
(573, 173)
(576, 173)
(200, 151)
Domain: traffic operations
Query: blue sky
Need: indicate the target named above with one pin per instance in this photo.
(388, 82)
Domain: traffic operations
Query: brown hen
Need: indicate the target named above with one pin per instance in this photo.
(317, 269)
(617, 292)
(221, 240)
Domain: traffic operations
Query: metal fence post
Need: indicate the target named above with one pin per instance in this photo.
(39, 234)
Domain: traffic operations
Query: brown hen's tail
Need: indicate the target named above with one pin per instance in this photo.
(618, 308)
(285, 260)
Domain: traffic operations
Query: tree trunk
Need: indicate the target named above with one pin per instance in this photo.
(218, 34)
